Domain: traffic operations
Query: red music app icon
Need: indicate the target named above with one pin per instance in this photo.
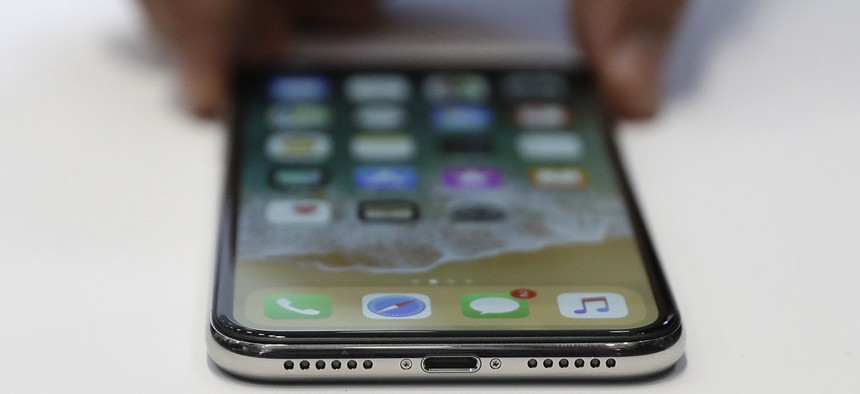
(592, 305)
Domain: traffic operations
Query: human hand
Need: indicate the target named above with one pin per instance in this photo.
(625, 42)
(209, 37)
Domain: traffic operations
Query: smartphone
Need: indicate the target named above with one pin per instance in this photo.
(432, 223)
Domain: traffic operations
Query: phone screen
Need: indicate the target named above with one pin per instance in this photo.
(390, 200)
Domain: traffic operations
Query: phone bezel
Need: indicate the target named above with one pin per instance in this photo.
(647, 339)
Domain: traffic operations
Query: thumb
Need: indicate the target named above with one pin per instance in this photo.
(626, 43)
(206, 35)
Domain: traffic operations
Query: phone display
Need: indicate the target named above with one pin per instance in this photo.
(441, 202)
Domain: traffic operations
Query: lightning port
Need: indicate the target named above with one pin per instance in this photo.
(450, 364)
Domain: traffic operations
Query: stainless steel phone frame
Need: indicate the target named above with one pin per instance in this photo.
(398, 356)
(261, 361)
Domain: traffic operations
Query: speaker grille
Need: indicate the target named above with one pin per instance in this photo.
(549, 363)
(319, 365)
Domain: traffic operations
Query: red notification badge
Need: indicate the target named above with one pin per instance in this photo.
(523, 293)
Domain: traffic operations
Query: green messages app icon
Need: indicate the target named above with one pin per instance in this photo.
(297, 306)
(493, 305)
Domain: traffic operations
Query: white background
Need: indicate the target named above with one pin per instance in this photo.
(748, 179)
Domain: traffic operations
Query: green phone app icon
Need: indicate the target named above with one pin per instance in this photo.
(297, 306)
(493, 306)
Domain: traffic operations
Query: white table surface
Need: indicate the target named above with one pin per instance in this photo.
(748, 179)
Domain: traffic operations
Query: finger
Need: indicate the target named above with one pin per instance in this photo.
(158, 14)
(206, 36)
(266, 30)
(626, 43)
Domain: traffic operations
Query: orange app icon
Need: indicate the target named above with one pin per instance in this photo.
(558, 177)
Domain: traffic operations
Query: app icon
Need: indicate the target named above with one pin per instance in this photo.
(461, 117)
(558, 177)
(534, 86)
(385, 177)
(542, 115)
(298, 178)
(592, 305)
(382, 147)
(298, 211)
(549, 146)
(305, 115)
(472, 178)
(299, 87)
(379, 117)
(297, 306)
(466, 144)
(299, 147)
(493, 306)
(476, 212)
(390, 211)
(396, 306)
(456, 87)
(377, 87)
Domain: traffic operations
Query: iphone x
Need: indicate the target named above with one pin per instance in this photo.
(432, 223)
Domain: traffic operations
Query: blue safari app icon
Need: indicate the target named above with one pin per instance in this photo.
(396, 306)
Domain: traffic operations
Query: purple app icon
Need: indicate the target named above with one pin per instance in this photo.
(472, 178)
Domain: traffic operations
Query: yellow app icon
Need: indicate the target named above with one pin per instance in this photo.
(299, 147)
